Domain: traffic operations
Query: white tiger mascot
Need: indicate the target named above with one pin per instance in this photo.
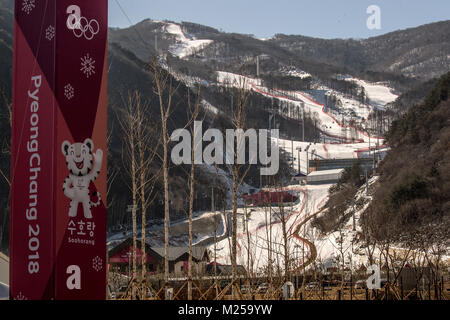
(76, 185)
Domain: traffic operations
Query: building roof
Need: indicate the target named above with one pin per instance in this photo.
(300, 174)
(198, 252)
(324, 172)
(177, 252)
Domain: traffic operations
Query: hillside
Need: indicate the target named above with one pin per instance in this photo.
(416, 52)
(404, 57)
(412, 200)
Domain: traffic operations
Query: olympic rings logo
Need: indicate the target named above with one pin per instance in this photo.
(81, 26)
(86, 28)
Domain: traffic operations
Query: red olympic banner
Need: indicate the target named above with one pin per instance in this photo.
(58, 154)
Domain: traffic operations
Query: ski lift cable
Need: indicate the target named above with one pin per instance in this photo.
(133, 26)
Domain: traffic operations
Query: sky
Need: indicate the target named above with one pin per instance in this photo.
(315, 18)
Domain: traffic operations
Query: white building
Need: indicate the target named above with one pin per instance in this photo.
(325, 176)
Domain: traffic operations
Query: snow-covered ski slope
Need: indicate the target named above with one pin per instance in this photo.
(378, 93)
(186, 44)
(264, 232)
(331, 126)
(265, 228)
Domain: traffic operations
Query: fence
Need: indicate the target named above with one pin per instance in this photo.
(253, 289)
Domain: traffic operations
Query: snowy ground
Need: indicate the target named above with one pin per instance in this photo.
(378, 93)
(264, 226)
(186, 44)
(330, 247)
(331, 125)
(206, 226)
(265, 230)
(294, 72)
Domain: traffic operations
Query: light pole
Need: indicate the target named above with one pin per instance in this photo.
(129, 264)
(307, 158)
(292, 152)
(303, 121)
(298, 158)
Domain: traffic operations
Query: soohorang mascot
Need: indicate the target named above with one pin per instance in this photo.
(79, 160)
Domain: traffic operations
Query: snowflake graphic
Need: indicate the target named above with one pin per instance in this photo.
(69, 91)
(87, 65)
(97, 263)
(50, 33)
(20, 296)
(28, 6)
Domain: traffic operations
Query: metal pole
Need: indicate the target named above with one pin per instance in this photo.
(274, 117)
(373, 166)
(378, 137)
(292, 154)
(257, 66)
(232, 110)
(303, 120)
(212, 199)
(307, 162)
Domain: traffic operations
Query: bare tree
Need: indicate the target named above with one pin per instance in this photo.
(282, 217)
(342, 247)
(147, 144)
(193, 110)
(112, 170)
(238, 171)
(140, 148)
(269, 248)
(165, 90)
(128, 122)
(250, 254)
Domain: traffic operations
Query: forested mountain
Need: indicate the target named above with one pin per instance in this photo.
(420, 52)
(406, 57)
(412, 200)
